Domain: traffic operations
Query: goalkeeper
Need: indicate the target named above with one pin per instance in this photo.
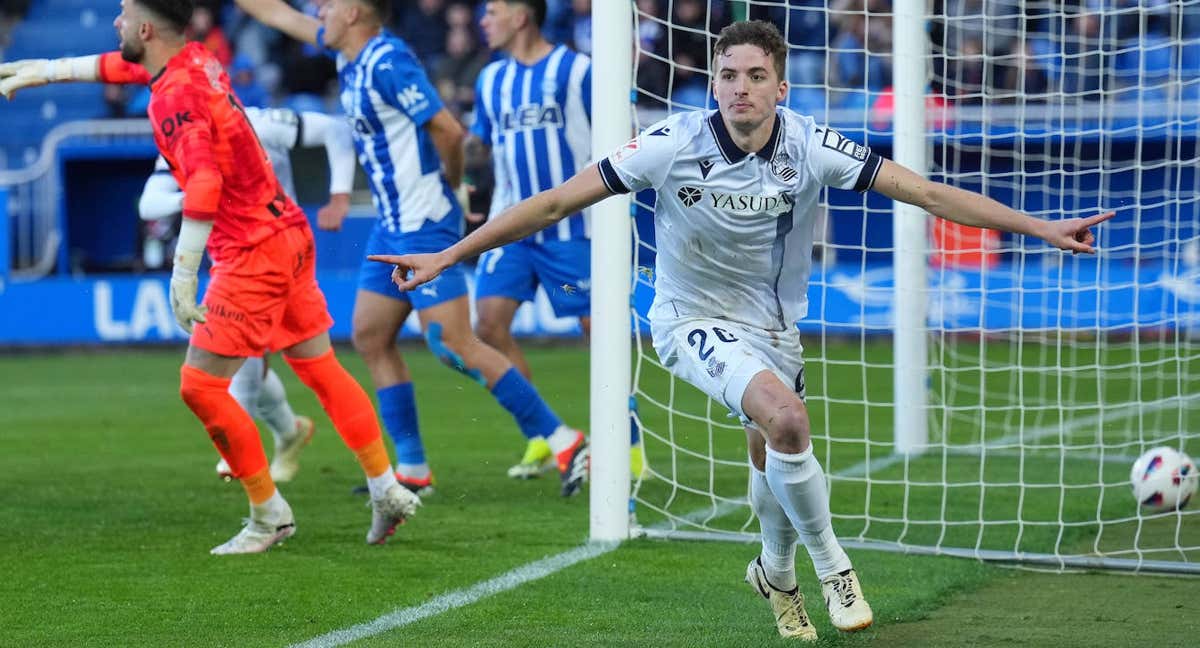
(738, 189)
(263, 294)
(256, 387)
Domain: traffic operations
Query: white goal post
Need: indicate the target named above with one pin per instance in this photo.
(971, 395)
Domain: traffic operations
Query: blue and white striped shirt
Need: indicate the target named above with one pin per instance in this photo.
(388, 99)
(537, 119)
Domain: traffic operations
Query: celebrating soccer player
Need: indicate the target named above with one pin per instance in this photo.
(263, 294)
(737, 194)
(411, 149)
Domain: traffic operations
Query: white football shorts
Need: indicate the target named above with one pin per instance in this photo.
(719, 357)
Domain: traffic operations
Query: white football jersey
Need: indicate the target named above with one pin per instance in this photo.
(734, 230)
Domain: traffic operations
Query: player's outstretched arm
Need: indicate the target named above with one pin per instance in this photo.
(526, 217)
(280, 15)
(969, 208)
(109, 68)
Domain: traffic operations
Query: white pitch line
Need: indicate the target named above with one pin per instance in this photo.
(459, 598)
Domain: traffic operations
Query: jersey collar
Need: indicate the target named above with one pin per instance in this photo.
(731, 152)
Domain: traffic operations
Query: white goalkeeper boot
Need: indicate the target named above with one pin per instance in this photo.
(848, 610)
(224, 472)
(393, 509)
(267, 526)
(790, 618)
(286, 462)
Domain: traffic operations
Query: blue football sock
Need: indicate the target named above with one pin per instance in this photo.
(398, 407)
(516, 395)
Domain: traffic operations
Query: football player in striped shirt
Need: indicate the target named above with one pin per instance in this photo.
(533, 112)
(410, 147)
(738, 190)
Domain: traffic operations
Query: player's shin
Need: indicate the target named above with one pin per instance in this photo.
(798, 483)
(231, 429)
(778, 535)
(348, 406)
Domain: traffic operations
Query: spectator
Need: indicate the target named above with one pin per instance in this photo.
(455, 74)
(581, 29)
(204, 29)
(243, 79)
(422, 24)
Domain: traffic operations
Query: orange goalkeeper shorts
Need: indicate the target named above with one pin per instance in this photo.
(264, 298)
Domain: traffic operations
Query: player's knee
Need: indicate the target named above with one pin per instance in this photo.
(368, 339)
(788, 430)
(449, 352)
(494, 332)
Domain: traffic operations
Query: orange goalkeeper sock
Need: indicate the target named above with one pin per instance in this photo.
(231, 429)
(348, 406)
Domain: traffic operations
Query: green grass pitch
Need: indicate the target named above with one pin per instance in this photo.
(109, 504)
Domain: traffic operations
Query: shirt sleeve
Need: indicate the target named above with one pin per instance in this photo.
(482, 126)
(186, 129)
(643, 162)
(404, 85)
(317, 129)
(114, 69)
(838, 161)
(161, 196)
(277, 128)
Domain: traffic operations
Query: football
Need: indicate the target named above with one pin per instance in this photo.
(1163, 479)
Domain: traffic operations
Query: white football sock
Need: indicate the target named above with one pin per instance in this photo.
(246, 384)
(270, 510)
(562, 438)
(379, 485)
(799, 485)
(273, 407)
(778, 535)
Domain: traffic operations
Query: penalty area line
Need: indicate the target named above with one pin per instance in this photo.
(462, 597)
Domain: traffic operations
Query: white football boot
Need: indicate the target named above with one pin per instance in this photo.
(286, 462)
(848, 610)
(224, 472)
(393, 509)
(790, 618)
(262, 531)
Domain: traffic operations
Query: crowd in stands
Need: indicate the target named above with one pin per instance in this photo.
(994, 50)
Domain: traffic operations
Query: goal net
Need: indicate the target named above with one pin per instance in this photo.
(1038, 377)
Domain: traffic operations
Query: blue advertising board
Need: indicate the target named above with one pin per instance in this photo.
(1083, 295)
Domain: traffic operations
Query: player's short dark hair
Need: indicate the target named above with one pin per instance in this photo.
(176, 13)
(536, 7)
(382, 9)
(759, 33)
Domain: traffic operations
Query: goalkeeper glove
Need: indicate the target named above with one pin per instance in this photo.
(185, 280)
(30, 73)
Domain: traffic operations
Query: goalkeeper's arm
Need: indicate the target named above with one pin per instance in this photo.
(29, 73)
(108, 67)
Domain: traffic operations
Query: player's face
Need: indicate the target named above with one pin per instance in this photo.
(128, 24)
(499, 24)
(746, 86)
(333, 15)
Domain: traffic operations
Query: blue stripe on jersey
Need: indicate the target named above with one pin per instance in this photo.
(587, 94)
(380, 167)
